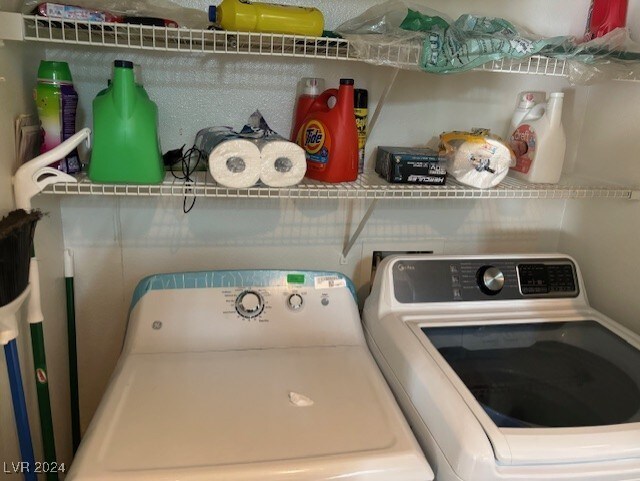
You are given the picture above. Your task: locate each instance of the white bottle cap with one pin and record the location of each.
(529, 99)
(556, 95)
(312, 86)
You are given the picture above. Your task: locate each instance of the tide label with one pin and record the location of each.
(314, 138)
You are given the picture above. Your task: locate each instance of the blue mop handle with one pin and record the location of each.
(20, 410)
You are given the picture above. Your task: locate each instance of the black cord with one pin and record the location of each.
(187, 171)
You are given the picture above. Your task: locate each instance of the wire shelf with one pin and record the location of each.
(79, 32)
(367, 186)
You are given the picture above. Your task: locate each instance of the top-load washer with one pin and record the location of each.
(503, 369)
(247, 375)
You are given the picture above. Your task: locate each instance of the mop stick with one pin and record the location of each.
(8, 334)
(30, 179)
(20, 410)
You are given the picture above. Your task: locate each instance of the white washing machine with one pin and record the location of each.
(503, 369)
(247, 375)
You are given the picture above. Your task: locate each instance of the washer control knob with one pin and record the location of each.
(490, 280)
(249, 304)
(295, 302)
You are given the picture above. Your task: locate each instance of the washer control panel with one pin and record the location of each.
(257, 309)
(422, 280)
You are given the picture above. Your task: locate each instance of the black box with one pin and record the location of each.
(410, 165)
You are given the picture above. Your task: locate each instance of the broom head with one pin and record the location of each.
(16, 245)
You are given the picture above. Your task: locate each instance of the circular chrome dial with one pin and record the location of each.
(249, 304)
(295, 301)
(490, 280)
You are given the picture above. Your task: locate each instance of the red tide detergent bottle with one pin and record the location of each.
(330, 138)
(309, 88)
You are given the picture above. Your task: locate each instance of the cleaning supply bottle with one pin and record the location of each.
(125, 132)
(248, 16)
(526, 102)
(605, 16)
(329, 136)
(361, 110)
(539, 143)
(57, 101)
(308, 90)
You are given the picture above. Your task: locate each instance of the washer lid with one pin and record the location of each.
(311, 413)
(564, 391)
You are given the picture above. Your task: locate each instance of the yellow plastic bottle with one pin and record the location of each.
(247, 16)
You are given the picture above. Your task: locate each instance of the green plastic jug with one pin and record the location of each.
(125, 133)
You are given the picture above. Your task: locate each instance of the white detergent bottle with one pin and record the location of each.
(526, 101)
(539, 143)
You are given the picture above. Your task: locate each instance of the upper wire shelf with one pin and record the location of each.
(368, 186)
(122, 35)
(129, 36)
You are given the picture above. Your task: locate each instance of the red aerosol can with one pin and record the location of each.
(330, 138)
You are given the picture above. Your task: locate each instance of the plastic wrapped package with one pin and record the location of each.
(391, 33)
(165, 9)
(612, 56)
(476, 158)
(409, 35)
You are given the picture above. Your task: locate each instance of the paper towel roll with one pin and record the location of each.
(235, 163)
(480, 164)
(283, 163)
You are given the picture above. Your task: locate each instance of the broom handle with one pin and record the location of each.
(20, 410)
(35, 318)
(73, 352)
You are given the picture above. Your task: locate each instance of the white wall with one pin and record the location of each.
(605, 236)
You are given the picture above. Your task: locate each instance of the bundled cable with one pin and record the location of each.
(189, 162)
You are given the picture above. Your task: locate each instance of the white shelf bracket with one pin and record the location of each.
(11, 26)
(381, 102)
(350, 243)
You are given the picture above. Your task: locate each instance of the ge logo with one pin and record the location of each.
(157, 325)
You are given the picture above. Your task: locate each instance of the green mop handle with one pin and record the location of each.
(35, 318)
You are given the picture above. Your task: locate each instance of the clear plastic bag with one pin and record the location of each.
(411, 35)
(612, 56)
(165, 9)
(408, 35)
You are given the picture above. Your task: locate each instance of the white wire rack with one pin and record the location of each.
(145, 37)
(367, 186)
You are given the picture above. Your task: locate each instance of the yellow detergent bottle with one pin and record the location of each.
(247, 16)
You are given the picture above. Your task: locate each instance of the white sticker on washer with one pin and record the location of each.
(329, 282)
